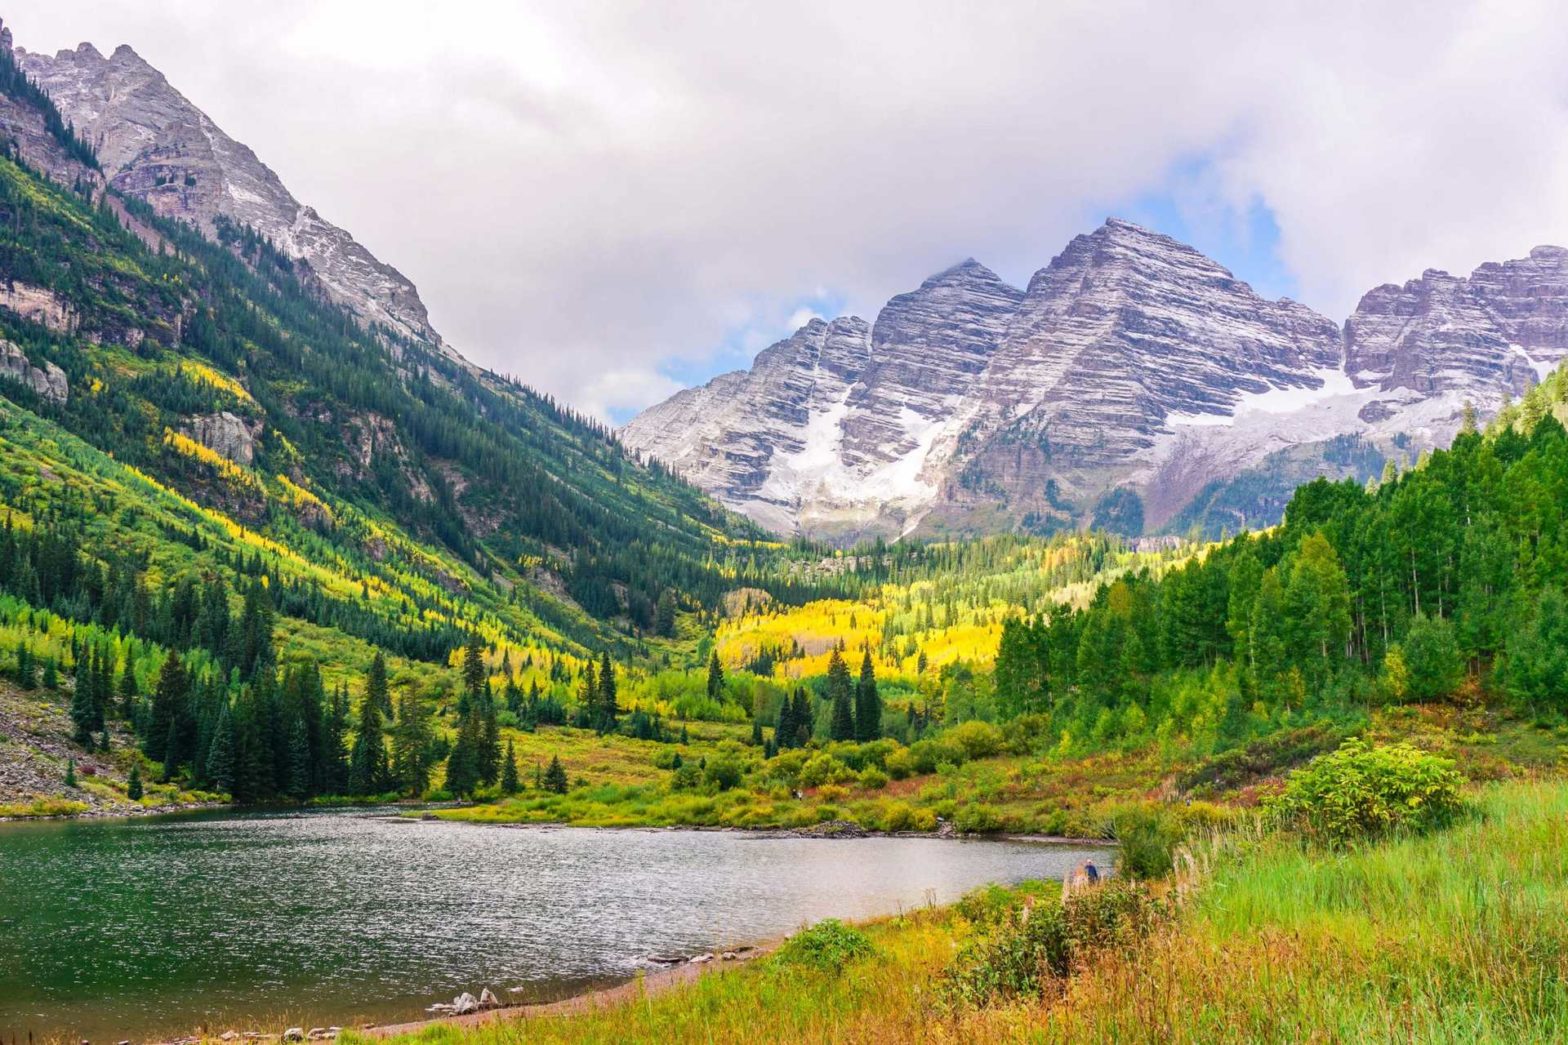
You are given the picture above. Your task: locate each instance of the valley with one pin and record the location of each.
(340, 675)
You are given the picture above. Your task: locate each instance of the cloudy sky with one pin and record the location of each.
(610, 200)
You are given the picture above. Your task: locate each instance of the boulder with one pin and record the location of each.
(464, 1003)
(487, 1000)
(294, 1034)
(701, 959)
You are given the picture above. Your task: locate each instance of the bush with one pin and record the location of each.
(975, 818)
(1148, 834)
(724, 772)
(873, 779)
(1266, 757)
(1036, 942)
(900, 765)
(823, 768)
(1363, 791)
(978, 739)
(827, 947)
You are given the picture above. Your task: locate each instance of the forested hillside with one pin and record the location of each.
(225, 498)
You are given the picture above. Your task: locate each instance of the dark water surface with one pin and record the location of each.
(116, 929)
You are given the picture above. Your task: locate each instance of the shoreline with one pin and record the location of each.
(647, 983)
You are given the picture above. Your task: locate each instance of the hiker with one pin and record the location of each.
(1091, 872)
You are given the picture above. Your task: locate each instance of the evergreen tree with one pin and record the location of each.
(133, 783)
(463, 770)
(509, 782)
(219, 770)
(555, 777)
(664, 614)
(841, 690)
(26, 667)
(334, 744)
(868, 702)
(84, 712)
(475, 675)
(301, 769)
(70, 772)
(715, 677)
(804, 718)
(489, 741)
(411, 740)
(368, 773)
(608, 700)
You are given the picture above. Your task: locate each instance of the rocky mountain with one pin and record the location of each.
(155, 145)
(1135, 384)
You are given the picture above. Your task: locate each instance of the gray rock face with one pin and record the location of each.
(1130, 361)
(227, 434)
(49, 382)
(1505, 326)
(154, 144)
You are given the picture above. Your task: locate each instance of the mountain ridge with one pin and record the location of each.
(1131, 364)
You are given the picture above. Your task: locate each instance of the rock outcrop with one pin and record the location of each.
(154, 144)
(227, 434)
(1132, 371)
(48, 381)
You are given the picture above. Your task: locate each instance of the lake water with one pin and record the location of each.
(136, 928)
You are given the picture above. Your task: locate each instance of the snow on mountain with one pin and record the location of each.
(1130, 362)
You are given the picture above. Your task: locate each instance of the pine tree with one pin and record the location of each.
(555, 777)
(367, 766)
(475, 675)
(509, 782)
(462, 764)
(26, 667)
(411, 739)
(804, 718)
(841, 690)
(868, 702)
(756, 730)
(70, 772)
(608, 700)
(300, 767)
(84, 712)
(334, 743)
(784, 728)
(489, 742)
(377, 688)
(133, 783)
(715, 677)
(219, 769)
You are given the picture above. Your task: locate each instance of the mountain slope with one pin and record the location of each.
(157, 147)
(1135, 384)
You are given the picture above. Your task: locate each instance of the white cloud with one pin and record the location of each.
(586, 192)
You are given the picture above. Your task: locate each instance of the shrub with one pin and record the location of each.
(1036, 942)
(896, 816)
(873, 779)
(926, 755)
(1149, 833)
(978, 739)
(1363, 791)
(724, 772)
(823, 768)
(832, 792)
(827, 946)
(975, 818)
(899, 765)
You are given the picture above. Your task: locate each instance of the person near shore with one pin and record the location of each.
(1091, 872)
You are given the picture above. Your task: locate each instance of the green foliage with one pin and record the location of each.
(555, 777)
(1365, 791)
(1536, 673)
(1433, 663)
(828, 946)
(133, 783)
(1148, 834)
(1030, 945)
